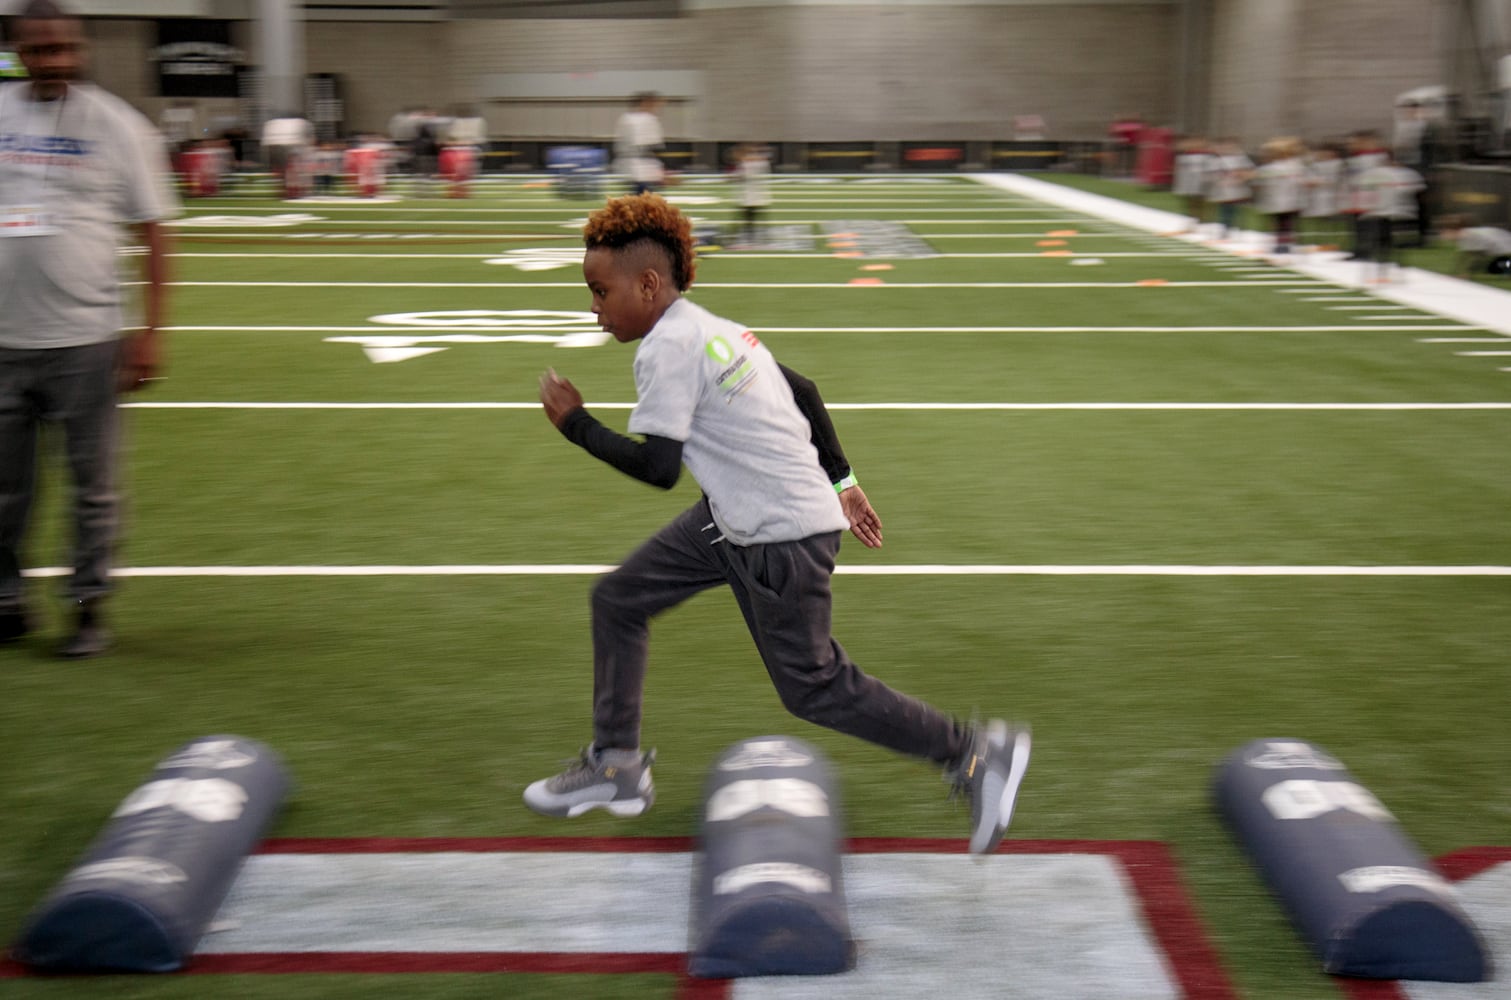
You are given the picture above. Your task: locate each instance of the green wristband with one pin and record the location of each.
(846, 483)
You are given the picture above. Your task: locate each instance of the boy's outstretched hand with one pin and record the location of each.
(865, 523)
(558, 396)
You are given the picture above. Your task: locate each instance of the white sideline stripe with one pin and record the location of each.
(887, 286)
(921, 569)
(920, 918)
(1463, 340)
(405, 332)
(1358, 308)
(481, 405)
(1483, 354)
(1480, 305)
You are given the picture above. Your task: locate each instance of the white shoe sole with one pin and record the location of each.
(1007, 797)
(618, 807)
(1022, 744)
(556, 810)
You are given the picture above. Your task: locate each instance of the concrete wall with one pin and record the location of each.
(1320, 68)
(383, 67)
(813, 72)
(843, 72)
(877, 69)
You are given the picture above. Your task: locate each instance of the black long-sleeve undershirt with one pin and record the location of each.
(658, 460)
(830, 455)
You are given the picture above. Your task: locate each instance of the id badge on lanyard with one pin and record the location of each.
(28, 216)
(26, 220)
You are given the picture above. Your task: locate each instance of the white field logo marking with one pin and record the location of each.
(581, 221)
(347, 199)
(247, 221)
(538, 259)
(527, 326)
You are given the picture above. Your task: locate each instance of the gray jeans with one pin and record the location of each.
(75, 388)
(782, 589)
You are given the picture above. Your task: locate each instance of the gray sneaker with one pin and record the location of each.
(989, 775)
(591, 783)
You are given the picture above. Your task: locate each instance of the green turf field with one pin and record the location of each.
(1023, 422)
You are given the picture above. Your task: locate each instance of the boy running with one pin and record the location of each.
(777, 494)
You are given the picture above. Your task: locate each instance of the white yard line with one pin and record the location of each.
(736, 255)
(932, 569)
(894, 406)
(820, 285)
(292, 235)
(1081, 236)
(406, 331)
(322, 208)
(242, 236)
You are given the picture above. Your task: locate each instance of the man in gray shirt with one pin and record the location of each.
(777, 495)
(75, 164)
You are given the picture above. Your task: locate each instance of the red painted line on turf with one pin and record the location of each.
(1148, 864)
(1150, 867)
(1156, 880)
(1468, 862)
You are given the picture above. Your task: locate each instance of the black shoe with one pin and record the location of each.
(90, 637)
(13, 625)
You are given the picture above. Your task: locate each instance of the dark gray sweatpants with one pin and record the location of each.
(75, 388)
(783, 591)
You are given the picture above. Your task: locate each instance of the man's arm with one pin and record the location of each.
(142, 350)
(656, 460)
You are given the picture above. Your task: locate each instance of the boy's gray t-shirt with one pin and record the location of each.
(90, 162)
(712, 385)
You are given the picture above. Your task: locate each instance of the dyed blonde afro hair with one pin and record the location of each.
(623, 222)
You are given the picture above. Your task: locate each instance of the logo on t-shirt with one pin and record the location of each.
(44, 150)
(737, 372)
